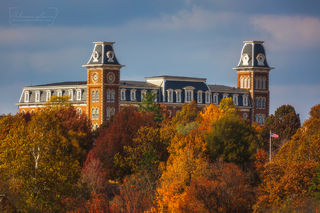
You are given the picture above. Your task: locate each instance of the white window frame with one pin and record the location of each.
(123, 94)
(143, 94)
(199, 97)
(132, 94)
(178, 95)
(170, 95)
(207, 97)
(235, 99)
(79, 94)
(59, 93)
(216, 98)
(48, 95)
(155, 92)
(70, 91)
(245, 100)
(26, 96)
(37, 96)
(241, 82)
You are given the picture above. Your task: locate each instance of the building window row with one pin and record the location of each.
(245, 82)
(49, 94)
(95, 95)
(95, 114)
(260, 102)
(260, 82)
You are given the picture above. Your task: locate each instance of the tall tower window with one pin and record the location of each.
(112, 98)
(248, 84)
(108, 114)
(26, 96)
(93, 98)
(199, 97)
(97, 96)
(93, 112)
(178, 96)
(97, 113)
(241, 82)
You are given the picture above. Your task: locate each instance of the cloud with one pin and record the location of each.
(289, 32)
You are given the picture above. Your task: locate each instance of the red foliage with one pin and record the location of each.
(120, 132)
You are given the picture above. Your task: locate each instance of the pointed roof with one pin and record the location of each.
(103, 54)
(253, 55)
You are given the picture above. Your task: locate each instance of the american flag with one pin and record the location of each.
(274, 135)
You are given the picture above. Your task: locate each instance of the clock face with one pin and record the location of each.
(110, 77)
(95, 77)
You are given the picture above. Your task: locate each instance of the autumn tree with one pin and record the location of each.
(285, 122)
(117, 134)
(232, 139)
(40, 159)
(224, 188)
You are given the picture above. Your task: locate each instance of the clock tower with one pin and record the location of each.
(103, 83)
(253, 75)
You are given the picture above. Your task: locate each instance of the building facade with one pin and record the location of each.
(103, 93)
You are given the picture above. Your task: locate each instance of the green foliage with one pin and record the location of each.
(232, 139)
(149, 105)
(315, 187)
(285, 122)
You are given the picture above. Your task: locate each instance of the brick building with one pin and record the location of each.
(103, 93)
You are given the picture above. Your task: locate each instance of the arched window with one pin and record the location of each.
(97, 113)
(112, 111)
(207, 97)
(93, 117)
(241, 82)
(97, 96)
(245, 83)
(199, 97)
(108, 114)
(93, 99)
(215, 98)
(249, 80)
(123, 94)
(112, 95)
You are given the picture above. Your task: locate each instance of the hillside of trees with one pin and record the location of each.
(142, 160)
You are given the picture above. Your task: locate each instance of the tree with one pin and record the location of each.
(285, 184)
(285, 122)
(40, 159)
(233, 139)
(117, 134)
(148, 104)
(305, 144)
(224, 188)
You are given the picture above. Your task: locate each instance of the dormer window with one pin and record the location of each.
(59, 93)
(37, 98)
(70, 93)
(155, 92)
(178, 95)
(235, 99)
(199, 97)
(26, 96)
(170, 95)
(143, 94)
(123, 94)
(207, 97)
(48, 96)
(79, 94)
(245, 100)
(225, 95)
(188, 94)
(133, 95)
(215, 98)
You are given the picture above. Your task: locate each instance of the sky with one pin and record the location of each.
(47, 41)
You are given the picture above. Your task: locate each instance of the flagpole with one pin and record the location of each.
(270, 146)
